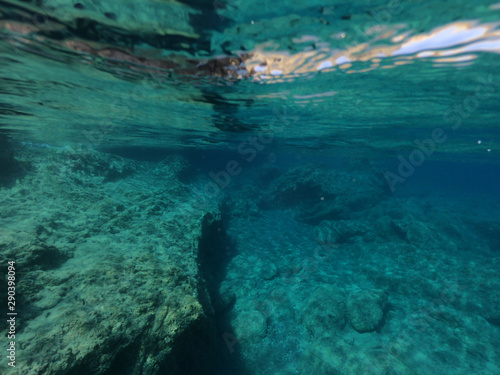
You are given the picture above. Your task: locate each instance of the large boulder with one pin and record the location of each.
(366, 309)
(315, 194)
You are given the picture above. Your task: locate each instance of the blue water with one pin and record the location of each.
(250, 188)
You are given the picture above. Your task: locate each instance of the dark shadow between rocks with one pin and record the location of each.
(10, 168)
(387, 308)
(216, 249)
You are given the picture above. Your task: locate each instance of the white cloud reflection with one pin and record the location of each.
(455, 43)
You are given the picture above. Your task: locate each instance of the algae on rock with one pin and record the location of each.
(106, 283)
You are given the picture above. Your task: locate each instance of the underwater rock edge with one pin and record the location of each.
(125, 294)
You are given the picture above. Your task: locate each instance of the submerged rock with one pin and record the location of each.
(107, 283)
(338, 232)
(225, 298)
(317, 194)
(326, 312)
(250, 325)
(366, 309)
(266, 270)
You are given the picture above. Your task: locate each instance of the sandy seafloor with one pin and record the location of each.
(126, 267)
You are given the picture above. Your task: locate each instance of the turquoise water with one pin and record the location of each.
(236, 187)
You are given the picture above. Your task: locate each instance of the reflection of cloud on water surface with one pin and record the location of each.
(454, 43)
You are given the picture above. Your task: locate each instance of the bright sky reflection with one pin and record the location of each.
(450, 41)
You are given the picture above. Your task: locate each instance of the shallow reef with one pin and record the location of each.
(106, 251)
(128, 267)
(374, 283)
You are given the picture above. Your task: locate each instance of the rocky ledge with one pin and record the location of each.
(107, 273)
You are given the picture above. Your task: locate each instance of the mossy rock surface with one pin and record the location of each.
(106, 283)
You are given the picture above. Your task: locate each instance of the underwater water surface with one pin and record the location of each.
(232, 187)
